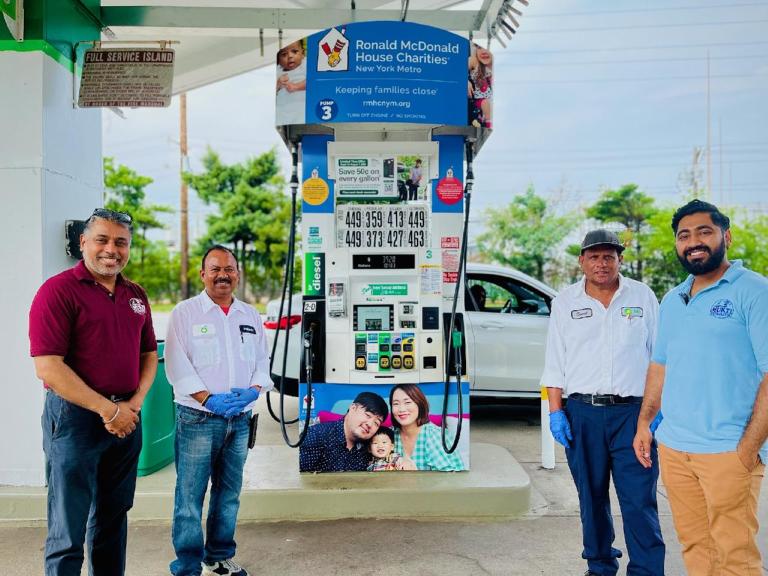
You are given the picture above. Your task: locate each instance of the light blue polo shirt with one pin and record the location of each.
(715, 352)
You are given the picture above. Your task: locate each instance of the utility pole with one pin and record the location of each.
(720, 168)
(709, 136)
(184, 209)
(695, 171)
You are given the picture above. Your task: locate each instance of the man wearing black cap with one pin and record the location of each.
(342, 446)
(599, 345)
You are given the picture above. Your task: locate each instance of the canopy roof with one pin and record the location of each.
(222, 38)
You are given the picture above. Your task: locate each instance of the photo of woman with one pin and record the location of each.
(416, 438)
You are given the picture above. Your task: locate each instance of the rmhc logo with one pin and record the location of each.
(333, 53)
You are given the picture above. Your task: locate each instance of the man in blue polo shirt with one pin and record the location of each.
(708, 373)
(342, 446)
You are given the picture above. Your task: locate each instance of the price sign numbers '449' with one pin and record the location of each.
(360, 226)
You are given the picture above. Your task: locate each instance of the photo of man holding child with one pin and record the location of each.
(375, 435)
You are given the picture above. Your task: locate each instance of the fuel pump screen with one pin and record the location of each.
(373, 318)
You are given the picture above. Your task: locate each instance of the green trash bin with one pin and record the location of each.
(158, 421)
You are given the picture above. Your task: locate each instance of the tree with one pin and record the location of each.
(750, 243)
(524, 234)
(253, 214)
(662, 268)
(151, 264)
(632, 208)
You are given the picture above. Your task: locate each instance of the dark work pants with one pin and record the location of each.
(413, 190)
(601, 448)
(91, 481)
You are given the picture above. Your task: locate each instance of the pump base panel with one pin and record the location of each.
(497, 487)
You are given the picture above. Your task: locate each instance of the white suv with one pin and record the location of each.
(505, 339)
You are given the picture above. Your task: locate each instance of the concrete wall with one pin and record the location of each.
(50, 171)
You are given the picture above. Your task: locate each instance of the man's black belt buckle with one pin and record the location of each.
(120, 397)
(605, 399)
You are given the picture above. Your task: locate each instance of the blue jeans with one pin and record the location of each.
(91, 477)
(601, 448)
(215, 448)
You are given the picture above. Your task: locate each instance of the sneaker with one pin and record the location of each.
(223, 568)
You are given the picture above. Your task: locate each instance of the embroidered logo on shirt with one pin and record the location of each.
(582, 313)
(632, 311)
(137, 306)
(722, 309)
(203, 329)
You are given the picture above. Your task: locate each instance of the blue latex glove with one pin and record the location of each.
(561, 430)
(219, 404)
(242, 397)
(656, 422)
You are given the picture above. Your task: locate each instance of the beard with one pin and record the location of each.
(95, 265)
(705, 266)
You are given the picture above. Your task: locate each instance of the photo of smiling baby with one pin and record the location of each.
(291, 84)
(383, 455)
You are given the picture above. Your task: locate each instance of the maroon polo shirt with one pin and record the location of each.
(100, 334)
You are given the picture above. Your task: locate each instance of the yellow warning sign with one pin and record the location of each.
(314, 191)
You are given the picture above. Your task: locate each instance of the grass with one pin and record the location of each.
(168, 306)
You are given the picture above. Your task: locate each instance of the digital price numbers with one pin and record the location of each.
(382, 226)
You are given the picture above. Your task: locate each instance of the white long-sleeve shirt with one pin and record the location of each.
(596, 350)
(209, 350)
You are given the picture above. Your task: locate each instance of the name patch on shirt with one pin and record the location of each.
(722, 309)
(581, 313)
(632, 311)
(247, 329)
(203, 329)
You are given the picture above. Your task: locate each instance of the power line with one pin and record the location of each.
(554, 166)
(635, 79)
(686, 147)
(649, 10)
(639, 61)
(646, 26)
(513, 51)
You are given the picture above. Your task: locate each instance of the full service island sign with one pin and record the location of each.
(127, 77)
(374, 72)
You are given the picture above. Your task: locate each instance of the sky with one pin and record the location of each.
(589, 95)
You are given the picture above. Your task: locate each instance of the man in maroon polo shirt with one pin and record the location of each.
(94, 348)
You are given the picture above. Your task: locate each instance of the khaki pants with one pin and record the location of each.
(714, 507)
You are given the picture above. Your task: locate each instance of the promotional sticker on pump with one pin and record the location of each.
(376, 418)
(314, 190)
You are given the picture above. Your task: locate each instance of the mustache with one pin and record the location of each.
(222, 281)
(706, 249)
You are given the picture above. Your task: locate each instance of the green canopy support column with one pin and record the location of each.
(50, 172)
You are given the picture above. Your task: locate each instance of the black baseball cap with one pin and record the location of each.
(601, 237)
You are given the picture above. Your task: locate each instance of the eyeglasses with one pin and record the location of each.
(113, 215)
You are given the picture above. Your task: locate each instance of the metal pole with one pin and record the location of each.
(709, 134)
(547, 440)
(184, 209)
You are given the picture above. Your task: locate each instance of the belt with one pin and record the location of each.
(120, 397)
(605, 399)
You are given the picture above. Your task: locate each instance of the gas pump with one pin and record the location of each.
(385, 110)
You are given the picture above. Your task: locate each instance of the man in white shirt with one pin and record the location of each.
(601, 333)
(216, 358)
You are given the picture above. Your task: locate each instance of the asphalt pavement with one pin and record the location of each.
(547, 541)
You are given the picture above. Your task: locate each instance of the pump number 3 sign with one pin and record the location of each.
(382, 226)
